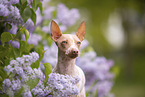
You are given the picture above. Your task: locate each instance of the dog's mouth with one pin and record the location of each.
(71, 55)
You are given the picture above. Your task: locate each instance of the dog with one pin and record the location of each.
(68, 50)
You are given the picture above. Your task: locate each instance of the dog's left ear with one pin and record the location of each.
(55, 31)
(81, 31)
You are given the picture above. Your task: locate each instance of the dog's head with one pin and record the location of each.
(68, 43)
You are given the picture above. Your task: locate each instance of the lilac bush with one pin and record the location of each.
(21, 72)
(28, 47)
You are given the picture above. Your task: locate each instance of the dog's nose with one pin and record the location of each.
(75, 52)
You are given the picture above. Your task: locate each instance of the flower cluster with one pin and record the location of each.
(67, 17)
(97, 68)
(20, 72)
(64, 16)
(59, 85)
(10, 13)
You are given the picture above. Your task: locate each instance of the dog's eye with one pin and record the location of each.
(64, 42)
(78, 42)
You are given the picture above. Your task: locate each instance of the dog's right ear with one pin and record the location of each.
(55, 31)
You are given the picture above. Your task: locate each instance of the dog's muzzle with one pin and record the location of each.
(72, 52)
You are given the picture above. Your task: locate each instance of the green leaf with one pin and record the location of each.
(23, 7)
(32, 83)
(34, 4)
(40, 51)
(25, 47)
(26, 14)
(40, 7)
(48, 70)
(3, 74)
(16, 52)
(35, 64)
(33, 16)
(5, 37)
(27, 34)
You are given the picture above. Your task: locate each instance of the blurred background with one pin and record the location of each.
(116, 30)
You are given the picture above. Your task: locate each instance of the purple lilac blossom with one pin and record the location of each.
(46, 29)
(21, 73)
(33, 38)
(4, 2)
(30, 25)
(39, 18)
(67, 17)
(15, 44)
(14, 29)
(104, 88)
(50, 55)
(3, 10)
(84, 44)
(59, 85)
(48, 12)
(14, 1)
(97, 68)
(14, 16)
(11, 13)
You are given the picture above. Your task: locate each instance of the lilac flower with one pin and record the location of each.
(104, 88)
(7, 83)
(30, 25)
(14, 15)
(48, 12)
(16, 84)
(4, 2)
(14, 1)
(46, 29)
(14, 29)
(15, 44)
(58, 85)
(33, 38)
(97, 68)
(27, 94)
(84, 44)
(3, 10)
(21, 73)
(39, 18)
(50, 55)
(67, 17)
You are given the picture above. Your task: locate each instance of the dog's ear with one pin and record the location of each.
(81, 31)
(55, 31)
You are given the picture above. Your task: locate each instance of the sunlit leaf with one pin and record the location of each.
(48, 70)
(32, 83)
(5, 37)
(27, 34)
(26, 14)
(35, 64)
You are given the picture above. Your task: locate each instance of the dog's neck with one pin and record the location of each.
(65, 65)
